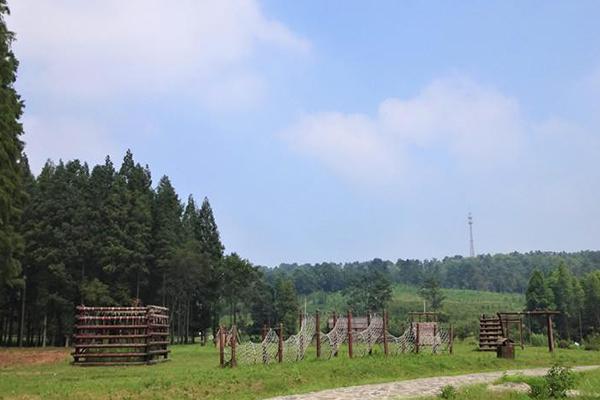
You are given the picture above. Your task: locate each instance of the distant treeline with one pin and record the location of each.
(497, 273)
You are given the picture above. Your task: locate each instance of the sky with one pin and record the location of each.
(326, 130)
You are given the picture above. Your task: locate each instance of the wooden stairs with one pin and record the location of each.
(490, 332)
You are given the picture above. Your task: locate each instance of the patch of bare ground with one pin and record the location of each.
(14, 357)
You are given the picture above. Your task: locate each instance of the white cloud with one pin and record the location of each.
(64, 138)
(89, 49)
(465, 120)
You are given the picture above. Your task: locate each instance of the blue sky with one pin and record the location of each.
(333, 130)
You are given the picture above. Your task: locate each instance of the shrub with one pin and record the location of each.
(448, 393)
(563, 344)
(592, 342)
(539, 390)
(538, 340)
(559, 380)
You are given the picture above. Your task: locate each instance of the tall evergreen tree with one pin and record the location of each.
(167, 230)
(208, 232)
(538, 295)
(12, 193)
(137, 226)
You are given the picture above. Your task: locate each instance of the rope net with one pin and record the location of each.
(423, 336)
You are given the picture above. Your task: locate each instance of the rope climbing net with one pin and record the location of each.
(419, 337)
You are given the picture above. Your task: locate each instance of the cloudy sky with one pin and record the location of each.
(333, 130)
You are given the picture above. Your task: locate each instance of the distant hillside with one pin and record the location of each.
(496, 273)
(462, 307)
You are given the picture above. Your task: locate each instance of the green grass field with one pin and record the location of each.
(193, 373)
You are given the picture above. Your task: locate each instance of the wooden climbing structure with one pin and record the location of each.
(121, 335)
(490, 332)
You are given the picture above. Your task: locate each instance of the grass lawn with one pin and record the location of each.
(194, 373)
(587, 383)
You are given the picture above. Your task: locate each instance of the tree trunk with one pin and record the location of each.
(44, 329)
(22, 316)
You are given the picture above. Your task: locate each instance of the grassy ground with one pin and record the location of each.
(194, 373)
(587, 383)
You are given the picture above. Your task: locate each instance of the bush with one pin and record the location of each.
(563, 344)
(539, 390)
(448, 393)
(592, 342)
(538, 340)
(559, 380)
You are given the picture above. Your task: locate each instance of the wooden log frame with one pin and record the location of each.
(516, 317)
(120, 335)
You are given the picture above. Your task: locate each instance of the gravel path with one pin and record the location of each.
(414, 387)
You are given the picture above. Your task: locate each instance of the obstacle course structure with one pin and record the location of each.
(274, 348)
(495, 329)
(121, 335)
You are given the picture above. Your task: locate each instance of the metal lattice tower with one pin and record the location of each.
(471, 246)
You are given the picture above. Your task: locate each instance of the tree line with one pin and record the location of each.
(105, 237)
(496, 273)
(577, 299)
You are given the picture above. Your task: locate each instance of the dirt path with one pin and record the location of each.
(414, 387)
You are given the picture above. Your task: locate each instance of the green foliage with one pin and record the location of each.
(592, 342)
(538, 340)
(286, 305)
(559, 380)
(448, 393)
(432, 293)
(12, 194)
(539, 390)
(538, 294)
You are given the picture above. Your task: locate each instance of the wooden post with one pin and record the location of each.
(550, 333)
(521, 333)
(263, 332)
(221, 347)
(451, 339)
(418, 338)
(280, 344)
(350, 334)
(334, 319)
(335, 352)
(233, 344)
(300, 316)
(318, 333)
(384, 333)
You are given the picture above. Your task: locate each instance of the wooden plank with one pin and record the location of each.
(108, 345)
(110, 326)
(106, 355)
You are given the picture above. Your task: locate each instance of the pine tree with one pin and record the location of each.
(137, 225)
(538, 295)
(12, 195)
(167, 230)
(208, 233)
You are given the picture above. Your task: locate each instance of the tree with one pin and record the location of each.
(12, 194)
(538, 295)
(167, 232)
(591, 288)
(208, 232)
(286, 304)
(137, 226)
(568, 296)
(431, 292)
